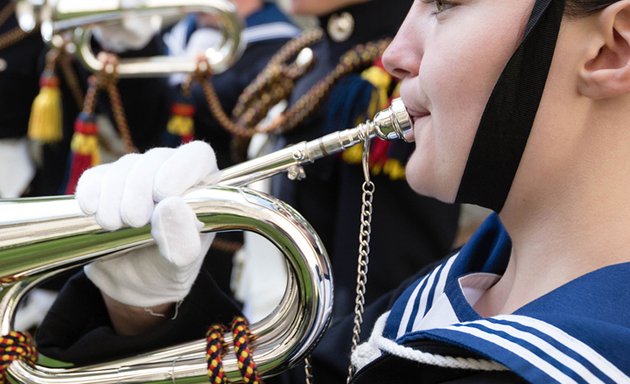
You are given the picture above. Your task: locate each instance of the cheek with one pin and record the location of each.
(444, 141)
(456, 91)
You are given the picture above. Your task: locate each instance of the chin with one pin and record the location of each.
(428, 186)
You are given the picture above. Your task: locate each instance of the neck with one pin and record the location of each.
(568, 220)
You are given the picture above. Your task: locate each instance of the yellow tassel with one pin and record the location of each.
(86, 145)
(353, 155)
(181, 122)
(394, 169)
(180, 125)
(45, 123)
(381, 81)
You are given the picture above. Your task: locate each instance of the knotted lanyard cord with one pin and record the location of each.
(107, 79)
(72, 80)
(216, 348)
(111, 85)
(15, 346)
(244, 356)
(214, 354)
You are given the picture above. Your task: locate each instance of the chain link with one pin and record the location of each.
(364, 252)
(308, 370)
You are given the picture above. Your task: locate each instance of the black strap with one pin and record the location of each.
(507, 120)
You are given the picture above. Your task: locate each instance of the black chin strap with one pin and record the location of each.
(507, 120)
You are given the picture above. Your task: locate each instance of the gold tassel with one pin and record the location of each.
(394, 169)
(181, 122)
(381, 81)
(45, 123)
(353, 155)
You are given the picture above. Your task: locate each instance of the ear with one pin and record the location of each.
(606, 73)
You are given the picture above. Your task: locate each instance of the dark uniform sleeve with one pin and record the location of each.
(77, 328)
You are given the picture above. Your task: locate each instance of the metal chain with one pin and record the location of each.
(364, 252)
(308, 370)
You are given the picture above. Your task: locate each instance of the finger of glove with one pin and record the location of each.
(112, 186)
(175, 228)
(137, 203)
(190, 165)
(88, 190)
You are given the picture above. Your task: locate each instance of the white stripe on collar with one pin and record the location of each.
(270, 31)
(437, 290)
(516, 348)
(570, 342)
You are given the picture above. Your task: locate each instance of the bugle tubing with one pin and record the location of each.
(42, 236)
(72, 21)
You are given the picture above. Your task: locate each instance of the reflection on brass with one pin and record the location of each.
(41, 237)
(71, 22)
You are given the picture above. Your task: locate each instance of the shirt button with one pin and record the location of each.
(3, 65)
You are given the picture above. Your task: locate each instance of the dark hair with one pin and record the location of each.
(579, 8)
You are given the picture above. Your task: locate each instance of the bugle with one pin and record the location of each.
(72, 21)
(41, 237)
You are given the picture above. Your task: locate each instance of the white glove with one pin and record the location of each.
(137, 189)
(133, 33)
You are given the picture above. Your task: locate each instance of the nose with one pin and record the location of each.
(403, 56)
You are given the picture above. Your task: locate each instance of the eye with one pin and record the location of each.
(440, 5)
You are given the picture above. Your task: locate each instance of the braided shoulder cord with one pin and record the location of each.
(13, 35)
(276, 82)
(6, 12)
(15, 346)
(215, 349)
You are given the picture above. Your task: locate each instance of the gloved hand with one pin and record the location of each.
(137, 189)
(133, 33)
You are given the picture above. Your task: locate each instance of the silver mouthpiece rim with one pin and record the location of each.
(393, 122)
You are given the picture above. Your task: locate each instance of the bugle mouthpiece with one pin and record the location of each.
(393, 122)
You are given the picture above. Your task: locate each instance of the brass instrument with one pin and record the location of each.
(73, 20)
(41, 237)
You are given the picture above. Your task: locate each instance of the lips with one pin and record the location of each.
(416, 115)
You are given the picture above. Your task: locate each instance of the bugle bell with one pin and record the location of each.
(72, 21)
(40, 237)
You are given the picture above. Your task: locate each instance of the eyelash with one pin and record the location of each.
(440, 5)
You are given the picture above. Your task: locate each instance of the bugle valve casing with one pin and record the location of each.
(40, 237)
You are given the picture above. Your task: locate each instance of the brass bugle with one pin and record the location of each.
(74, 20)
(41, 237)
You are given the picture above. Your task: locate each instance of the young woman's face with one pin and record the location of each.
(319, 7)
(450, 55)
